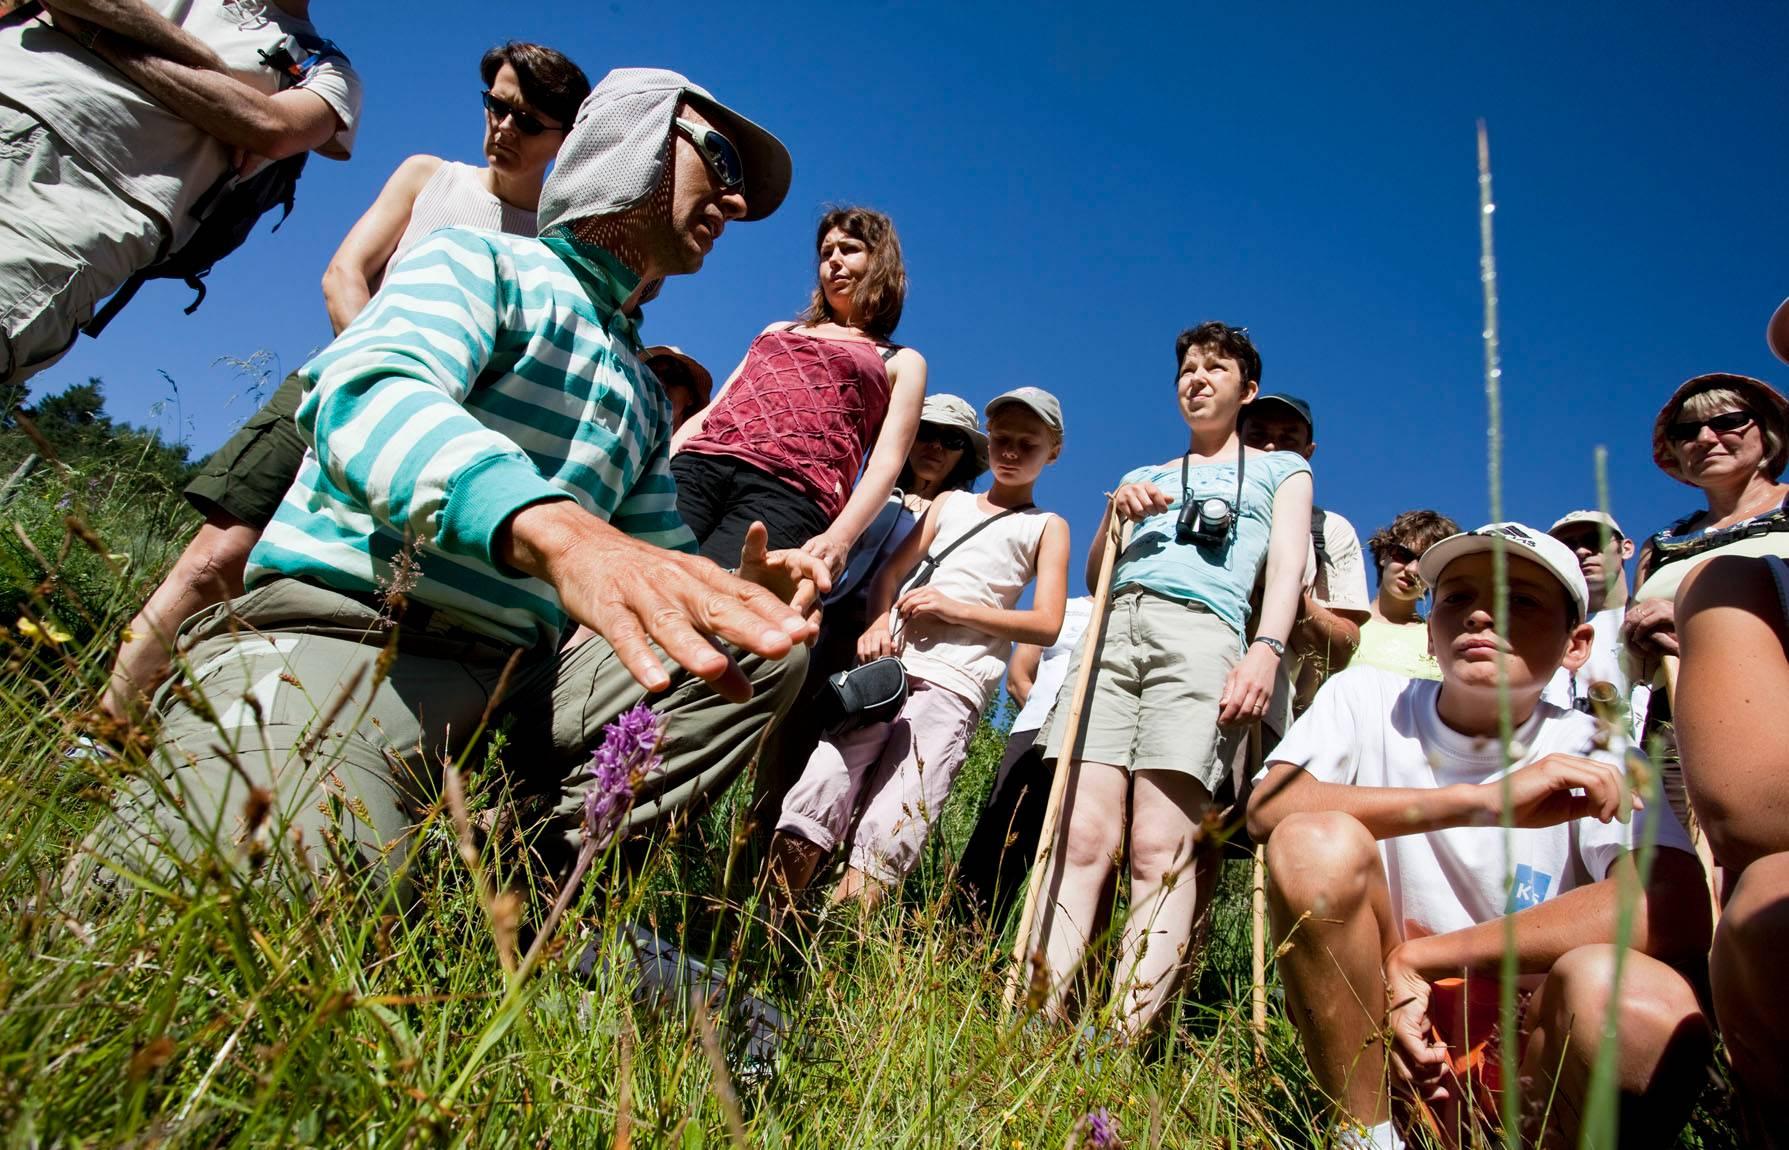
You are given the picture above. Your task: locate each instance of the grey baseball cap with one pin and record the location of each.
(1037, 399)
(615, 152)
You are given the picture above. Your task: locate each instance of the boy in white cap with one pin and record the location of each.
(1389, 883)
(488, 467)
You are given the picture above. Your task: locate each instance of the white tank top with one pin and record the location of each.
(456, 196)
(991, 569)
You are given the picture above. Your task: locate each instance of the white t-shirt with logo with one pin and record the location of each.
(1371, 728)
(156, 159)
(1052, 668)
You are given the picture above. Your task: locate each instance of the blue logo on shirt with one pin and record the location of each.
(1531, 887)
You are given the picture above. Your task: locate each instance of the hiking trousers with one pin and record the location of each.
(68, 239)
(294, 723)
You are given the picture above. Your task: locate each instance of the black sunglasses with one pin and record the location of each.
(717, 152)
(948, 438)
(1727, 422)
(526, 122)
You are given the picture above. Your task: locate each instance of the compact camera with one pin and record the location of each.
(1205, 522)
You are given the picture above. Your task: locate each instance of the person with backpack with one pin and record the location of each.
(787, 437)
(947, 606)
(531, 93)
(1334, 602)
(139, 132)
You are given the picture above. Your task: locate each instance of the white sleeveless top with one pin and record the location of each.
(991, 569)
(456, 196)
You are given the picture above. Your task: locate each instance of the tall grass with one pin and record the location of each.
(216, 1011)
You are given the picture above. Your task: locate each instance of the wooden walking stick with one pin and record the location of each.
(1258, 919)
(1116, 534)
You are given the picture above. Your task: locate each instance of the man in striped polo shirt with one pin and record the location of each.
(487, 468)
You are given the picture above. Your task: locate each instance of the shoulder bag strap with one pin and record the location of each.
(930, 564)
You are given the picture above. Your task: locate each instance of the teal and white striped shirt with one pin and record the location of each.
(489, 373)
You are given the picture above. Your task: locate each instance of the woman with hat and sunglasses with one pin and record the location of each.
(1729, 436)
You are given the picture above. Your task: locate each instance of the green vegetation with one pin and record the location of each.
(215, 1011)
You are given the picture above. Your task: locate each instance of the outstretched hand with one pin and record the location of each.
(635, 595)
(798, 578)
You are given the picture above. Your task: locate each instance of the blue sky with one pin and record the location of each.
(1075, 185)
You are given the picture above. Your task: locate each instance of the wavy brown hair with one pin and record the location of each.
(882, 292)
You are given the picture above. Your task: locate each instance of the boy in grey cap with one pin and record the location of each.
(487, 469)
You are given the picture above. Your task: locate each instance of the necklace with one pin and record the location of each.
(245, 13)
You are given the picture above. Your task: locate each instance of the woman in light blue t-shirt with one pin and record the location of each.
(1176, 685)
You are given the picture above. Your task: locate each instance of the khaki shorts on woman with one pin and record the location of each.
(1153, 703)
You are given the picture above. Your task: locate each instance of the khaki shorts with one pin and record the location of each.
(67, 241)
(1153, 703)
(247, 477)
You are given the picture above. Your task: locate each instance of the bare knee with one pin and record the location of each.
(1091, 837)
(1656, 1004)
(1321, 862)
(1754, 926)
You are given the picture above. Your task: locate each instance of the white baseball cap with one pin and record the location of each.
(1600, 518)
(1519, 539)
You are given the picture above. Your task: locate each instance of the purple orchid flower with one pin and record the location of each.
(1099, 1131)
(628, 753)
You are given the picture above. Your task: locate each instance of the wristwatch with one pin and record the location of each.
(1274, 645)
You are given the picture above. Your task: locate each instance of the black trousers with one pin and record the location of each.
(991, 875)
(719, 497)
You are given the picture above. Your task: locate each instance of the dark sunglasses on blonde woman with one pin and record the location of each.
(1726, 423)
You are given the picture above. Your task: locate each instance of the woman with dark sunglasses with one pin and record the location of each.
(1729, 436)
(814, 403)
(531, 96)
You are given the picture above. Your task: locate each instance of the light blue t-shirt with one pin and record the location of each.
(1219, 577)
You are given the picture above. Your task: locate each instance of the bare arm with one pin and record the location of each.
(1549, 791)
(1021, 671)
(692, 426)
(1248, 689)
(1671, 923)
(276, 126)
(1040, 623)
(877, 639)
(136, 21)
(906, 396)
(355, 270)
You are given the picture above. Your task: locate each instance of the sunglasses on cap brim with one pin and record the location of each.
(718, 152)
(526, 123)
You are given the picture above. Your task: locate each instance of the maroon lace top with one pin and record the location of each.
(805, 409)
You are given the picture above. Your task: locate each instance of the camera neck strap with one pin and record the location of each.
(1186, 489)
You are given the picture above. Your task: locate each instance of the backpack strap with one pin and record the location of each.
(928, 566)
(1317, 541)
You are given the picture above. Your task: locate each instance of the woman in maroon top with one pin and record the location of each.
(783, 442)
